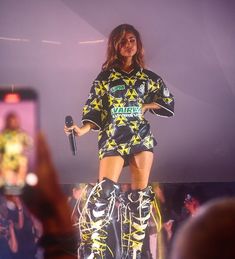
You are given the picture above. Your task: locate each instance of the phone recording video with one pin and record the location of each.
(18, 127)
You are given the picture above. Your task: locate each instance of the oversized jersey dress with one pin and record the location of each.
(114, 107)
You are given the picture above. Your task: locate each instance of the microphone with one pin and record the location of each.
(71, 136)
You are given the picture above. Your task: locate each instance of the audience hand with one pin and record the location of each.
(48, 203)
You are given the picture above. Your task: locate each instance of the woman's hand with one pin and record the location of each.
(147, 106)
(79, 131)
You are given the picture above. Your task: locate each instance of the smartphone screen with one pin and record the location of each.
(18, 127)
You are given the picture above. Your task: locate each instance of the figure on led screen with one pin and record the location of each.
(119, 97)
(13, 145)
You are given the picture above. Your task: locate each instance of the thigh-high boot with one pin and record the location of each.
(135, 213)
(95, 218)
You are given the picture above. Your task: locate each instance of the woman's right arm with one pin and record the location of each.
(79, 131)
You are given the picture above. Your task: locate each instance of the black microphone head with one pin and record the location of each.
(68, 121)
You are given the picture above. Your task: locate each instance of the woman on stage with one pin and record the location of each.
(119, 97)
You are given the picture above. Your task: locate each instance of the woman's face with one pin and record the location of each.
(128, 45)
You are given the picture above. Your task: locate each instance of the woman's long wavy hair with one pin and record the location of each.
(114, 58)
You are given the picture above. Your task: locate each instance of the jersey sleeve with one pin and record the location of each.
(160, 94)
(93, 109)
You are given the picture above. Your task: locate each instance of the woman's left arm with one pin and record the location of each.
(159, 95)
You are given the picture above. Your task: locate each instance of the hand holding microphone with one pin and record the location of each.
(73, 130)
(70, 132)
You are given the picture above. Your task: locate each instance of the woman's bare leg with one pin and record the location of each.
(137, 205)
(111, 167)
(140, 167)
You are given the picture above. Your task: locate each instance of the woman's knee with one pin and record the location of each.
(111, 167)
(142, 161)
